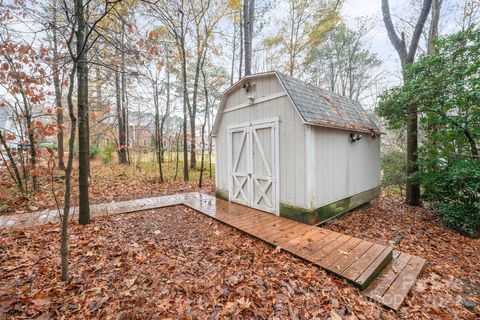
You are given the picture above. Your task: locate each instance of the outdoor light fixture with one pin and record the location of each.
(246, 86)
(355, 137)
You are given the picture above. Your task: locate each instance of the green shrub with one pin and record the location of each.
(48, 144)
(444, 89)
(453, 187)
(107, 153)
(94, 151)
(393, 169)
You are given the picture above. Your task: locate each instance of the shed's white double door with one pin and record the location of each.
(253, 165)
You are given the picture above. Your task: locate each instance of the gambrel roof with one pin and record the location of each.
(315, 106)
(324, 108)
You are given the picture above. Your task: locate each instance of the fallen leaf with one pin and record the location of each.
(335, 315)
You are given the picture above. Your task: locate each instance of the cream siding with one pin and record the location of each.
(318, 165)
(292, 161)
(342, 168)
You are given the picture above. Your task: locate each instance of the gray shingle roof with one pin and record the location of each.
(324, 108)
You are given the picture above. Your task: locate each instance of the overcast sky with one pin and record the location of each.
(377, 39)
(400, 9)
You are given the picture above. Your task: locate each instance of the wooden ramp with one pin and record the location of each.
(386, 276)
(395, 281)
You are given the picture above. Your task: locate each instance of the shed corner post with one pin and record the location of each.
(311, 172)
(214, 139)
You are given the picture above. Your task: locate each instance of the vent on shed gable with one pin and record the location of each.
(250, 90)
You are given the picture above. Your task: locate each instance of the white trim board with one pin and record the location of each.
(253, 123)
(256, 101)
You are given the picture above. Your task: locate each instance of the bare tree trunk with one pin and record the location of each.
(160, 124)
(127, 130)
(202, 161)
(122, 151)
(167, 107)
(58, 90)
(412, 188)
(246, 25)
(240, 58)
(407, 57)
(201, 49)
(185, 96)
(205, 88)
(193, 140)
(31, 140)
(234, 49)
(68, 174)
(472, 142)
(177, 152)
(433, 32)
(158, 136)
(82, 109)
(23, 162)
(124, 106)
(33, 151)
(17, 177)
(98, 84)
(248, 15)
(291, 51)
(209, 144)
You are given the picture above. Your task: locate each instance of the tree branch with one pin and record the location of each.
(398, 44)
(418, 30)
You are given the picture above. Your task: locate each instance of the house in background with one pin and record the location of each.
(4, 118)
(293, 149)
(6, 124)
(141, 130)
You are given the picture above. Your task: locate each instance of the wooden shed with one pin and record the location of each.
(293, 149)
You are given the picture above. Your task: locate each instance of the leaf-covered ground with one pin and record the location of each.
(166, 263)
(452, 275)
(178, 264)
(108, 182)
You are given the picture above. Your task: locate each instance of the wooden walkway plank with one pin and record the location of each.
(270, 229)
(363, 262)
(294, 230)
(325, 250)
(258, 221)
(231, 216)
(293, 233)
(303, 249)
(339, 253)
(381, 284)
(308, 237)
(403, 283)
(310, 244)
(343, 263)
(322, 242)
(264, 223)
(372, 271)
(358, 261)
